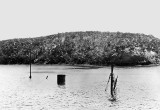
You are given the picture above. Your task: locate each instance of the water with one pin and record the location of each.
(84, 88)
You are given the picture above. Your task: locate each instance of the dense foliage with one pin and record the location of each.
(97, 48)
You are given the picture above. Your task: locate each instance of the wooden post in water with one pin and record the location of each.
(30, 76)
(112, 81)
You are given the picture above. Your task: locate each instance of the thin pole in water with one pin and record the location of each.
(112, 80)
(30, 64)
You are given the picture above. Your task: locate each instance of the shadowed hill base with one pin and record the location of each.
(95, 48)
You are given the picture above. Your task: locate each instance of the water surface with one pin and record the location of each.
(138, 88)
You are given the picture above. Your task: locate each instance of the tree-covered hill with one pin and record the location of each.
(96, 48)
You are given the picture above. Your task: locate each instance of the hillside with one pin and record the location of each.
(96, 48)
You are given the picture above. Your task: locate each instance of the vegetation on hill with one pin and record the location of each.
(96, 48)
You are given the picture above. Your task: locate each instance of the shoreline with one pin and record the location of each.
(88, 65)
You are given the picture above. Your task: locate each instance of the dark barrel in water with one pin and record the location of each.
(61, 79)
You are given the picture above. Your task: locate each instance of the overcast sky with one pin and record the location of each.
(34, 18)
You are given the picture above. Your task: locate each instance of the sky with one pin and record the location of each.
(35, 18)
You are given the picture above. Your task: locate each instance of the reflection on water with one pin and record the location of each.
(138, 88)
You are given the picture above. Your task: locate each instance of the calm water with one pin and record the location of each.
(138, 88)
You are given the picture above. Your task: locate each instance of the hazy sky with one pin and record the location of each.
(34, 18)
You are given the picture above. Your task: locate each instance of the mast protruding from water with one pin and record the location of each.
(112, 81)
(30, 76)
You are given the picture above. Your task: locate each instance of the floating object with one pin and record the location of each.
(47, 77)
(61, 79)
